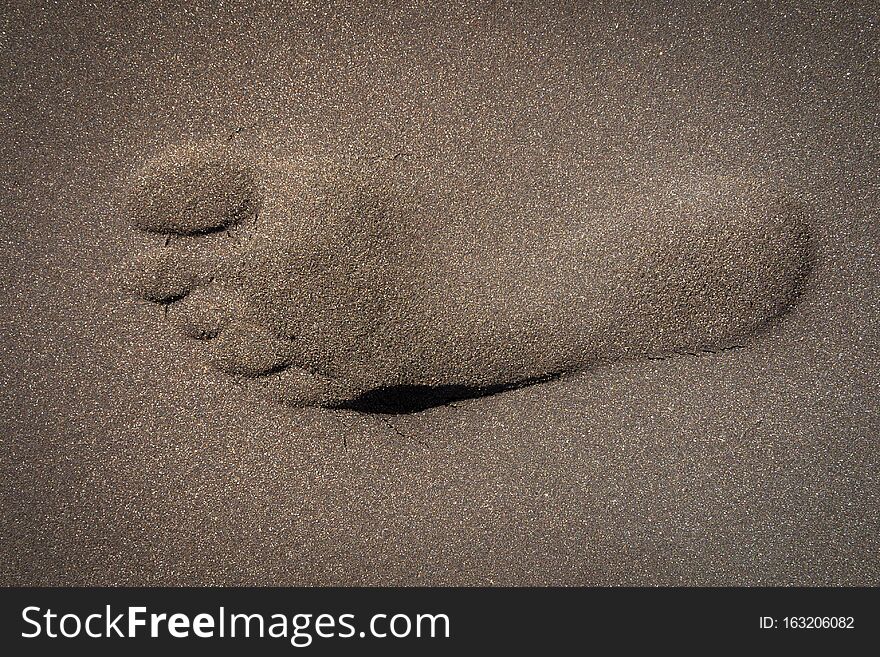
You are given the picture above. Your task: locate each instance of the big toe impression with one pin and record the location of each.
(193, 189)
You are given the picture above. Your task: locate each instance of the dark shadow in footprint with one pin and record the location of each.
(408, 399)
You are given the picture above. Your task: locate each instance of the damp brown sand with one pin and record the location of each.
(127, 461)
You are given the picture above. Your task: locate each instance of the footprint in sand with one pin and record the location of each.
(322, 286)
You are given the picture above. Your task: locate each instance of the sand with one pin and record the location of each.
(331, 292)
(647, 203)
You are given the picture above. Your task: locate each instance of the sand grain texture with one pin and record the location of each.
(537, 144)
